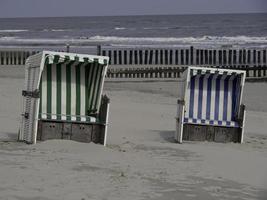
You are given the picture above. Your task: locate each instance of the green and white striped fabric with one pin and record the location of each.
(71, 90)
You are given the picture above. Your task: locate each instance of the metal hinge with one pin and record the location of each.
(25, 115)
(33, 94)
(180, 101)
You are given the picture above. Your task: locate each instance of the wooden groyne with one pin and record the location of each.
(14, 57)
(185, 56)
(169, 62)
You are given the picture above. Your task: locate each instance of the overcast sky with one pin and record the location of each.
(40, 8)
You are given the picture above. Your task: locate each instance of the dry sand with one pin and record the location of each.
(141, 161)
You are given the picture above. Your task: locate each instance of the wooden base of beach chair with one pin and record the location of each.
(194, 132)
(71, 131)
(77, 131)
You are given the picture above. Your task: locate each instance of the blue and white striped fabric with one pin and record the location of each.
(212, 99)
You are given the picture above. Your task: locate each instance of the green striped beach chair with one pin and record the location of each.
(211, 106)
(62, 98)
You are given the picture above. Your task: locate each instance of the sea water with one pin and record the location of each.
(249, 30)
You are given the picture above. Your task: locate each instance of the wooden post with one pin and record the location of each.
(161, 57)
(247, 71)
(115, 57)
(230, 55)
(68, 48)
(166, 57)
(187, 56)
(182, 57)
(135, 57)
(146, 72)
(197, 57)
(244, 56)
(234, 56)
(151, 57)
(240, 57)
(191, 55)
(110, 56)
(249, 56)
(178, 73)
(98, 50)
(206, 58)
(156, 57)
(120, 57)
(259, 71)
(210, 57)
(171, 57)
(169, 73)
(104, 52)
(142, 73)
(254, 56)
(264, 57)
(131, 57)
(125, 57)
(224, 57)
(259, 58)
(160, 72)
(15, 58)
(140, 57)
(22, 57)
(201, 57)
(151, 72)
(137, 73)
(10, 58)
(146, 57)
(176, 57)
(215, 57)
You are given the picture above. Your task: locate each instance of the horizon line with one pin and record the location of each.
(222, 13)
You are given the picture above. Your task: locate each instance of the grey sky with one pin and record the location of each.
(39, 8)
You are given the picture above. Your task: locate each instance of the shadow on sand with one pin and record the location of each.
(167, 136)
(8, 137)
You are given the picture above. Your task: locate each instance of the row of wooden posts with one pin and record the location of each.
(185, 56)
(10, 57)
(164, 63)
(148, 56)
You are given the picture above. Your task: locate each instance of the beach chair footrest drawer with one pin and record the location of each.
(80, 132)
(194, 132)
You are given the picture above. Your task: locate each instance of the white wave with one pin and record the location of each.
(157, 28)
(138, 41)
(12, 31)
(204, 39)
(55, 30)
(35, 41)
(8, 38)
(119, 28)
(59, 30)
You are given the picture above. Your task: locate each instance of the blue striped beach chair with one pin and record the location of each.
(62, 98)
(210, 107)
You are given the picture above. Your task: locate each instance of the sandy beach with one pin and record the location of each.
(141, 160)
